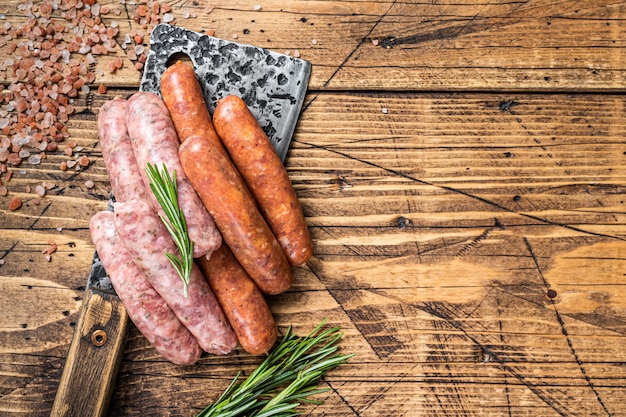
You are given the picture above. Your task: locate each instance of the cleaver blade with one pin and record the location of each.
(273, 85)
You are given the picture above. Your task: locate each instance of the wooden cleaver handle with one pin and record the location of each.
(94, 357)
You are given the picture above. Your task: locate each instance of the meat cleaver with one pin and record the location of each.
(273, 86)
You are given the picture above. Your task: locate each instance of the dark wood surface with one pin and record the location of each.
(462, 169)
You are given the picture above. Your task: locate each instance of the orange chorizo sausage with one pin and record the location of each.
(183, 98)
(242, 301)
(242, 226)
(266, 177)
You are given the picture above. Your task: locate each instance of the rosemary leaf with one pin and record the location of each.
(288, 376)
(166, 192)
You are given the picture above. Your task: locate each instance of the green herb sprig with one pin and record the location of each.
(286, 377)
(166, 192)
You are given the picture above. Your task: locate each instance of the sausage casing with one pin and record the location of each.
(146, 308)
(155, 141)
(183, 98)
(242, 227)
(242, 301)
(147, 241)
(266, 177)
(117, 152)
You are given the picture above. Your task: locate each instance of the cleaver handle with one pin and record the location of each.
(94, 357)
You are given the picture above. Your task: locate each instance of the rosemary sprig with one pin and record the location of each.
(288, 376)
(166, 192)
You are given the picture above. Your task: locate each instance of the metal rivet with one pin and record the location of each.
(99, 337)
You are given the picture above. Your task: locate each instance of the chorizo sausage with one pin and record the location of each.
(242, 227)
(147, 241)
(146, 308)
(266, 177)
(183, 98)
(242, 301)
(155, 141)
(117, 152)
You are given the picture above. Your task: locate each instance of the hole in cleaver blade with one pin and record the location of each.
(273, 85)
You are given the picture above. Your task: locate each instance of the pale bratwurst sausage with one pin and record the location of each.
(147, 241)
(117, 152)
(145, 307)
(155, 141)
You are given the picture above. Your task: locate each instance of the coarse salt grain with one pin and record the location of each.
(48, 52)
(34, 159)
(15, 203)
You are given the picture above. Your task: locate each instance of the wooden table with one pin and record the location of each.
(462, 169)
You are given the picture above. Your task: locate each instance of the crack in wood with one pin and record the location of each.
(464, 193)
(570, 344)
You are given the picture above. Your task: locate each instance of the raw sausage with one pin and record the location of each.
(147, 241)
(154, 140)
(117, 152)
(242, 301)
(235, 214)
(183, 98)
(261, 167)
(146, 308)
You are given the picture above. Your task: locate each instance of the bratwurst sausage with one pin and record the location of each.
(235, 214)
(146, 308)
(241, 300)
(155, 141)
(117, 152)
(266, 177)
(147, 241)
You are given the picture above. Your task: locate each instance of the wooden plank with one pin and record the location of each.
(470, 245)
(536, 45)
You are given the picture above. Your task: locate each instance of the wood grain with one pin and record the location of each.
(90, 371)
(439, 227)
(535, 45)
(464, 184)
